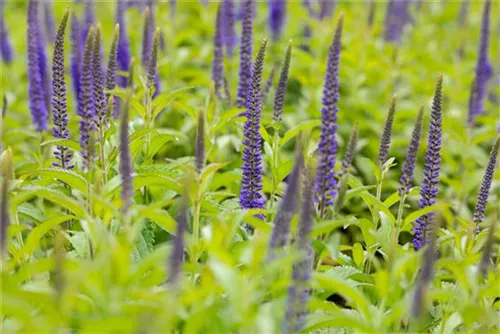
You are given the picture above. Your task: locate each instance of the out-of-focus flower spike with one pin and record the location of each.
(177, 254)
(277, 17)
(7, 172)
(173, 8)
(88, 19)
(326, 8)
(484, 69)
(429, 189)
(6, 50)
(385, 139)
(287, 209)
(251, 183)
(59, 100)
(218, 60)
(484, 190)
(227, 92)
(245, 72)
(325, 187)
(298, 292)
(396, 17)
(123, 52)
(279, 99)
(488, 247)
(269, 83)
(429, 257)
(462, 14)
(350, 149)
(48, 15)
(200, 142)
(38, 106)
(371, 13)
(229, 38)
(126, 167)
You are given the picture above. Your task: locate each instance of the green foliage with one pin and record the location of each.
(111, 274)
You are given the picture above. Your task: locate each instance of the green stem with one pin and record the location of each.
(102, 156)
(274, 167)
(196, 224)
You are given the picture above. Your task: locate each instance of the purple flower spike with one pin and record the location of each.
(462, 14)
(385, 140)
(59, 103)
(6, 173)
(298, 292)
(229, 38)
(98, 82)
(327, 148)
(218, 60)
(88, 19)
(125, 158)
(396, 17)
(429, 190)
(251, 182)
(123, 53)
(200, 143)
(484, 70)
(38, 106)
(76, 56)
(48, 16)
(484, 191)
(6, 51)
(351, 149)
(411, 157)
(269, 84)
(177, 255)
(281, 230)
(279, 99)
(245, 54)
(325, 9)
(88, 112)
(153, 64)
(277, 17)
(111, 73)
(147, 36)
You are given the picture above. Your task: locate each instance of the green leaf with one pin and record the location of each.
(61, 199)
(71, 178)
(31, 211)
(163, 100)
(419, 213)
(157, 143)
(334, 319)
(327, 227)
(63, 142)
(358, 254)
(265, 134)
(373, 202)
(38, 232)
(375, 168)
(345, 288)
(293, 132)
(160, 217)
(144, 180)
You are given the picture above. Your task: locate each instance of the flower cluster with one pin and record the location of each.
(251, 183)
(327, 148)
(429, 190)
